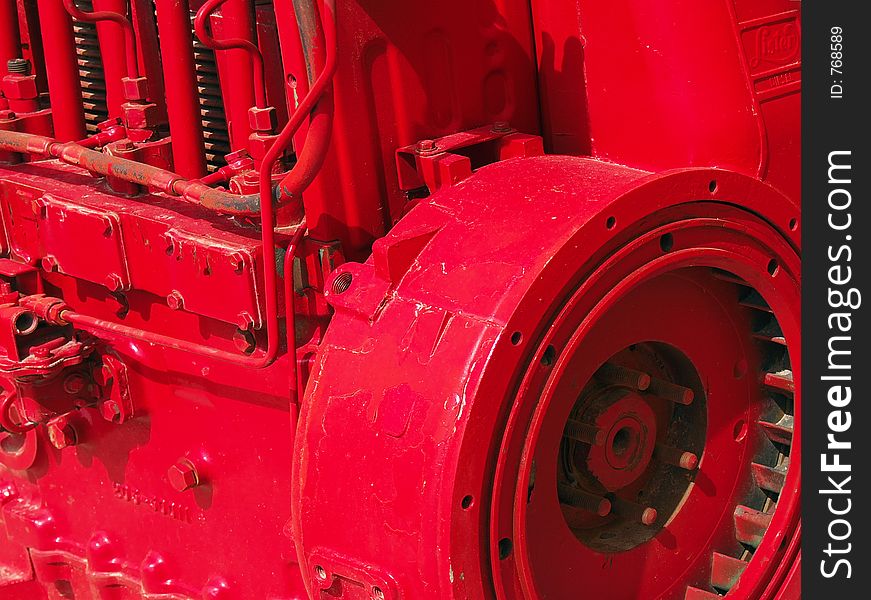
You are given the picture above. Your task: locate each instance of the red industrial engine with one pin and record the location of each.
(362, 299)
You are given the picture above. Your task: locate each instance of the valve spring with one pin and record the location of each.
(91, 76)
(215, 133)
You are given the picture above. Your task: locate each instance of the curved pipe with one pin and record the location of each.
(202, 29)
(134, 172)
(267, 210)
(311, 157)
(107, 15)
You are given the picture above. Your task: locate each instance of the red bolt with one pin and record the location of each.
(245, 321)
(113, 282)
(175, 301)
(74, 384)
(183, 475)
(110, 411)
(49, 263)
(238, 261)
(244, 341)
(427, 146)
(62, 435)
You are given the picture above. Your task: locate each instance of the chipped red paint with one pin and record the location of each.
(387, 301)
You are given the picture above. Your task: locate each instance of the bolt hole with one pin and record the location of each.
(291, 81)
(342, 283)
(739, 432)
(793, 224)
(548, 357)
(712, 186)
(516, 338)
(622, 440)
(611, 222)
(740, 369)
(773, 267)
(467, 502)
(320, 572)
(377, 593)
(505, 547)
(25, 323)
(666, 242)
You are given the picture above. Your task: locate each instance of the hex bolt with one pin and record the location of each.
(586, 434)
(175, 301)
(183, 475)
(619, 375)
(62, 435)
(671, 391)
(113, 282)
(573, 496)
(245, 321)
(501, 127)
(110, 411)
(427, 147)
(49, 263)
(676, 457)
(244, 341)
(237, 260)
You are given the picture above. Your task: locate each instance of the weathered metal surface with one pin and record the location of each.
(537, 376)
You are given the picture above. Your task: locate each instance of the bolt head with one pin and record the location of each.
(183, 476)
(62, 435)
(426, 146)
(49, 263)
(175, 301)
(238, 261)
(113, 282)
(110, 411)
(244, 341)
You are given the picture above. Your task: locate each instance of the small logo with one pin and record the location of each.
(773, 45)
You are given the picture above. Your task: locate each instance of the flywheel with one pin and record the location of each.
(557, 379)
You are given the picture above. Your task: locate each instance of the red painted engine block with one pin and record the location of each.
(399, 300)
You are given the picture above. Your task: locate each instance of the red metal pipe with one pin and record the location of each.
(10, 36)
(62, 70)
(116, 17)
(182, 102)
(201, 26)
(132, 171)
(290, 315)
(311, 156)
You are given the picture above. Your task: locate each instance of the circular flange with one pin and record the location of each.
(443, 391)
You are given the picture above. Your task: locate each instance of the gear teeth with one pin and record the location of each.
(780, 432)
(770, 479)
(780, 381)
(750, 525)
(726, 571)
(771, 332)
(755, 301)
(697, 594)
